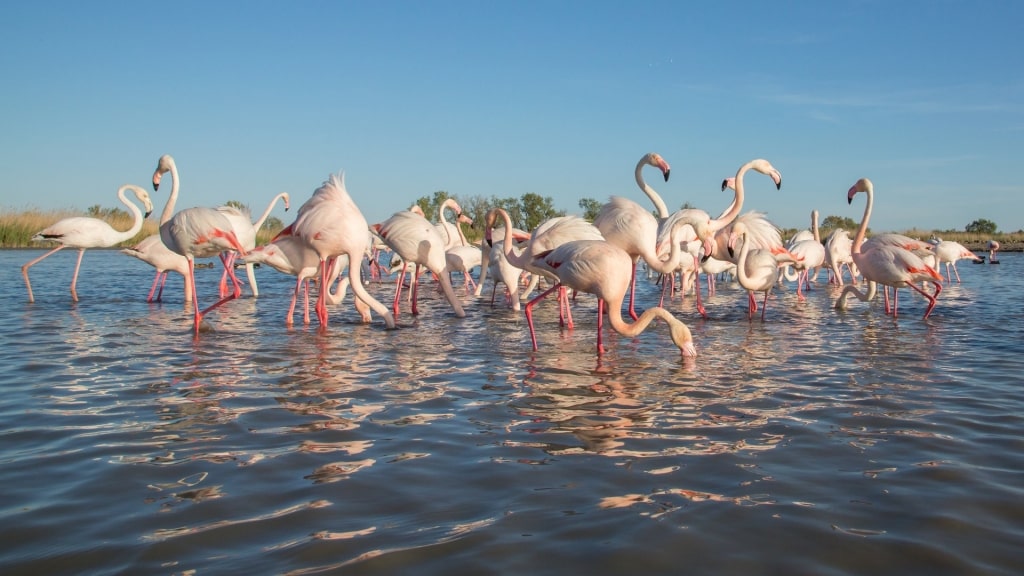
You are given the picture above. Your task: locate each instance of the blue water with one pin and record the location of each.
(817, 442)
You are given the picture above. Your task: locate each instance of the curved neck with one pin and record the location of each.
(733, 210)
(675, 255)
(659, 204)
(270, 207)
(517, 260)
(859, 238)
(136, 212)
(173, 198)
(681, 335)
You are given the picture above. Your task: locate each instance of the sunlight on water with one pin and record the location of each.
(819, 441)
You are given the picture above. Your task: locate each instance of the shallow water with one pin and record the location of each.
(817, 442)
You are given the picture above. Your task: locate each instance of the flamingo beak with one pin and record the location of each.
(851, 194)
(667, 172)
(709, 248)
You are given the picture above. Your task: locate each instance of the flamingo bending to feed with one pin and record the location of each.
(82, 232)
(245, 231)
(838, 247)
(756, 269)
(415, 239)
(600, 268)
(331, 224)
(151, 249)
(948, 252)
(993, 247)
(289, 255)
(886, 264)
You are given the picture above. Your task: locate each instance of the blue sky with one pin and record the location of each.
(503, 98)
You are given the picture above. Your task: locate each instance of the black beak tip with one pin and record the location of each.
(725, 184)
(667, 172)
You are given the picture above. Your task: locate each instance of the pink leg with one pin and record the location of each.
(24, 271)
(398, 288)
(152, 289)
(696, 288)
(74, 279)
(600, 326)
(163, 281)
(529, 312)
(415, 289)
(632, 293)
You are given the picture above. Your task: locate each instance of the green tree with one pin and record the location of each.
(590, 208)
(537, 209)
(982, 226)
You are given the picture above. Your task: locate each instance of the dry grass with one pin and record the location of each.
(18, 227)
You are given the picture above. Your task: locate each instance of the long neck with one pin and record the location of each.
(518, 260)
(173, 198)
(675, 255)
(270, 208)
(814, 226)
(681, 334)
(859, 238)
(137, 223)
(659, 204)
(733, 210)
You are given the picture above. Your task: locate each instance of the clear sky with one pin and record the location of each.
(503, 98)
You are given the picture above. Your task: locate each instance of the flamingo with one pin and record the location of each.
(886, 264)
(151, 249)
(464, 259)
(993, 247)
(551, 233)
(82, 232)
(415, 239)
(603, 269)
(289, 255)
(245, 231)
(948, 252)
(810, 253)
(756, 269)
(331, 224)
(631, 227)
(838, 247)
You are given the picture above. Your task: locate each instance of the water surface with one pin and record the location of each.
(817, 442)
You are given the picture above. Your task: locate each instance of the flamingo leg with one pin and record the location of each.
(696, 288)
(152, 289)
(74, 278)
(398, 288)
(600, 324)
(529, 312)
(24, 271)
(414, 292)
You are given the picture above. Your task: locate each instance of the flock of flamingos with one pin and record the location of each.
(329, 235)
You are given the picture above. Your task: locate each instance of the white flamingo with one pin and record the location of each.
(886, 264)
(82, 232)
(331, 224)
(245, 231)
(948, 252)
(810, 255)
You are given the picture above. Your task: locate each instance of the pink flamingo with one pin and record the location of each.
(290, 255)
(811, 254)
(993, 247)
(416, 241)
(756, 269)
(331, 224)
(245, 231)
(736, 183)
(551, 233)
(82, 232)
(630, 226)
(886, 264)
(948, 252)
(151, 249)
(838, 247)
(604, 270)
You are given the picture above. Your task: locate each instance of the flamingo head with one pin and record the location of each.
(682, 338)
(738, 229)
(862, 185)
(765, 167)
(655, 159)
(163, 166)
